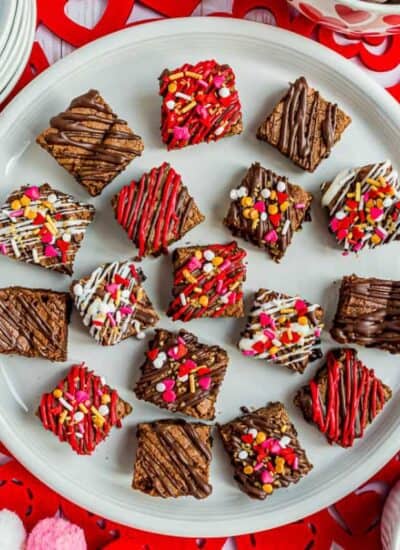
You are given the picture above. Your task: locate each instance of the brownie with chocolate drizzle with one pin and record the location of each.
(182, 374)
(267, 210)
(156, 211)
(343, 397)
(208, 282)
(368, 313)
(173, 459)
(91, 142)
(200, 103)
(304, 126)
(264, 451)
(34, 322)
(82, 410)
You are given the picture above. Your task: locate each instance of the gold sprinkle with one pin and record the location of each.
(358, 191)
(188, 107)
(188, 276)
(192, 383)
(175, 76)
(248, 470)
(83, 408)
(25, 200)
(284, 428)
(267, 488)
(57, 393)
(193, 75)
(172, 88)
(217, 260)
(105, 398)
(203, 300)
(51, 228)
(15, 205)
(247, 201)
(287, 310)
(198, 254)
(63, 416)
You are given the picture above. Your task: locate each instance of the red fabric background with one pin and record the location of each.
(352, 522)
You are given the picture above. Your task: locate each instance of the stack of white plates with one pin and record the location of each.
(17, 30)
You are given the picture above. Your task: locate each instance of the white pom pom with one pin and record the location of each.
(12, 531)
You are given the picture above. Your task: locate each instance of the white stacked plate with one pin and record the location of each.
(17, 30)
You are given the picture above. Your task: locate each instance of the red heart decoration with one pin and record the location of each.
(392, 19)
(52, 14)
(351, 16)
(280, 10)
(320, 18)
(172, 8)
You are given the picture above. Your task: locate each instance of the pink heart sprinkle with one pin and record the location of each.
(202, 111)
(232, 298)
(47, 238)
(169, 396)
(81, 396)
(50, 251)
(218, 81)
(111, 288)
(205, 382)
(32, 192)
(334, 225)
(181, 132)
(375, 212)
(300, 305)
(173, 352)
(259, 206)
(317, 332)
(3, 249)
(193, 264)
(248, 352)
(169, 383)
(265, 319)
(266, 477)
(271, 236)
(126, 310)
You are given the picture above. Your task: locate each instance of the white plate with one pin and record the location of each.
(13, 44)
(7, 13)
(125, 67)
(22, 52)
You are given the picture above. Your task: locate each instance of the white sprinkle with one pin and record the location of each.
(118, 317)
(219, 130)
(104, 410)
(78, 435)
(160, 387)
(170, 104)
(66, 237)
(281, 187)
(253, 432)
(140, 335)
(158, 363)
(284, 441)
(35, 255)
(207, 268)
(225, 298)
(162, 355)
(265, 193)
(242, 191)
(183, 378)
(277, 343)
(183, 96)
(285, 227)
(78, 290)
(52, 198)
(243, 455)
(78, 416)
(15, 248)
(209, 255)
(233, 194)
(103, 380)
(263, 216)
(65, 404)
(340, 215)
(387, 202)
(224, 92)
(182, 298)
(125, 294)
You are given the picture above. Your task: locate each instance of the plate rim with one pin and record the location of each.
(159, 29)
(8, 24)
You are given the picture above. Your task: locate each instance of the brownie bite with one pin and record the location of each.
(113, 304)
(207, 282)
(283, 329)
(364, 206)
(368, 313)
(91, 142)
(181, 374)
(173, 459)
(44, 227)
(34, 322)
(267, 210)
(343, 397)
(264, 451)
(200, 103)
(304, 126)
(157, 211)
(82, 409)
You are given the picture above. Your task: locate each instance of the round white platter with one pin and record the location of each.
(125, 67)
(7, 14)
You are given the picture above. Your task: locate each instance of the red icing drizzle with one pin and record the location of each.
(354, 397)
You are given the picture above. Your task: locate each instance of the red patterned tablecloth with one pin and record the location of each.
(351, 523)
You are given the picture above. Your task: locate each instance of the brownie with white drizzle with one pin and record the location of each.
(283, 329)
(113, 303)
(42, 226)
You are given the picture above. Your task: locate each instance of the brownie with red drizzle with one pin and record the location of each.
(208, 282)
(91, 142)
(343, 397)
(182, 374)
(304, 126)
(368, 313)
(264, 451)
(82, 410)
(267, 210)
(34, 322)
(156, 211)
(173, 459)
(200, 103)
(45, 227)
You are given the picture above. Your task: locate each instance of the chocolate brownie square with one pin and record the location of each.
(181, 374)
(304, 126)
(283, 329)
(264, 451)
(207, 282)
(343, 397)
(173, 459)
(157, 211)
(82, 410)
(44, 227)
(113, 304)
(91, 142)
(200, 103)
(267, 210)
(368, 313)
(364, 206)
(34, 322)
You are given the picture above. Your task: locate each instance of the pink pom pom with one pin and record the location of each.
(57, 534)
